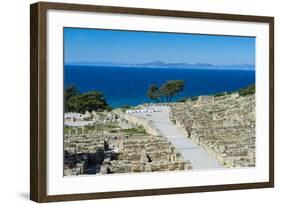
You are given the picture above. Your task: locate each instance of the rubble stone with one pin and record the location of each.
(224, 126)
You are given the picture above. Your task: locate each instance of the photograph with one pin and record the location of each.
(136, 101)
(147, 101)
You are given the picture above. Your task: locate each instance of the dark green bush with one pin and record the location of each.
(194, 98)
(82, 102)
(247, 91)
(219, 94)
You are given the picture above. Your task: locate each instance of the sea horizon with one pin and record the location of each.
(203, 66)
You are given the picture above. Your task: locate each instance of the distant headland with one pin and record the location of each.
(161, 64)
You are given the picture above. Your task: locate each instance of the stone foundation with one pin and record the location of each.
(109, 154)
(137, 121)
(224, 126)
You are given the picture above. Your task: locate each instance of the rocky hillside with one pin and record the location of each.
(223, 125)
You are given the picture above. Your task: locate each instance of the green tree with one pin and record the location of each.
(171, 88)
(166, 91)
(70, 91)
(153, 92)
(89, 101)
(77, 102)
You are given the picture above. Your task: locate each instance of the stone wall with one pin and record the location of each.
(144, 154)
(137, 121)
(224, 126)
(119, 153)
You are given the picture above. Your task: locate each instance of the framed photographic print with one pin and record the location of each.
(134, 102)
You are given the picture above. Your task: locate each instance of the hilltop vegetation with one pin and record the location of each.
(248, 90)
(82, 102)
(242, 92)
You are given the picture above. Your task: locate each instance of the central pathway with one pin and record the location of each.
(198, 157)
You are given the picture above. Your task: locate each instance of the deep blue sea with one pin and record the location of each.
(128, 85)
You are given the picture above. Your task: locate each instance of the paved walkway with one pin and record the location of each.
(198, 157)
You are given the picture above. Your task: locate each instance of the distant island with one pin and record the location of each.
(161, 64)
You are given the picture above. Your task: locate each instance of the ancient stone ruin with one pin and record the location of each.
(224, 126)
(116, 150)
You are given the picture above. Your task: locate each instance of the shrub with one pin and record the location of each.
(247, 91)
(219, 94)
(184, 99)
(194, 98)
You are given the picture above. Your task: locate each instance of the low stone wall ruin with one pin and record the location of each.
(138, 121)
(109, 154)
(224, 126)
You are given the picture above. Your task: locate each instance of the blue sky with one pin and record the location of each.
(94, 45)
